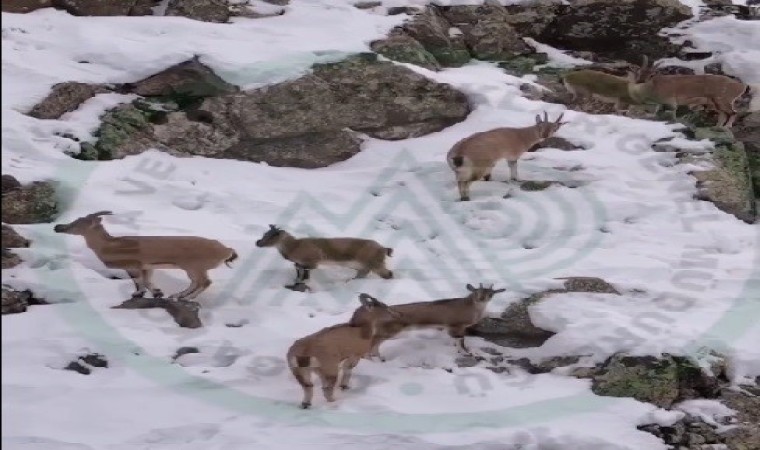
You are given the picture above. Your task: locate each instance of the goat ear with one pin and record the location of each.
(499, 290)
(366, 300)
(538, 118)
(470, 287)
(546, 116)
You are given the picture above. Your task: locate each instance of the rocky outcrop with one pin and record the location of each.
(204, 10)
(187, 81)
(66, 97)
(25, 6)
(747, 131)
(32, 203)
(662, 382)
(618, 29)
(14, 302)
(729, 184)
(11, 239)
(307, 122)
(100, 7)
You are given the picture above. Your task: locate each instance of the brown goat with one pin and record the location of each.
(363, 255)
(716, 92)
(452, 314)
(337, 347)
(474, 157)
(140, 255)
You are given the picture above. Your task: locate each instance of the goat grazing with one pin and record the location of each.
(337, 347)
(140, 255)
(717, 92)
(363, 255)
(474, 157)
(453, 314)
(599, 85)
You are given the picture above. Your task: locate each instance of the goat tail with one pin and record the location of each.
(232, 257)
(754, 91)
(388, 251)
(457, 161)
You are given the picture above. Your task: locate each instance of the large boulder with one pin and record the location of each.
(307, 122)
(619, 29)
(404, 48)
(32, 203)
(662, 382)
(446, 43)
(11, 239)
(747, 131)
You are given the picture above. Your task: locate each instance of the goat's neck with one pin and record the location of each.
(97, 238)
(531, 135)
(287, 245)
(639, 91)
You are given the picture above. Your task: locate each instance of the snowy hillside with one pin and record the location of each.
(617, 210)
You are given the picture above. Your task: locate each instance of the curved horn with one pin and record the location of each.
(560, 117)
(100, 213)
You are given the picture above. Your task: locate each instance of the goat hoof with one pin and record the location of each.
(464, 199)
(298, 287)
(158, 294)
(138, 295)
(344, 387)
(305, 405)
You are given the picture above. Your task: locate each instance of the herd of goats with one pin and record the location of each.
(340, 347)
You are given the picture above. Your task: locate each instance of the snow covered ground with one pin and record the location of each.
(687, 271)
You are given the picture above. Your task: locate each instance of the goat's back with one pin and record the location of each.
(344, 248)
(688, 86)
(336, 342)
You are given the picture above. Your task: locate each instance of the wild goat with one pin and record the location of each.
(599, 85)
(337, 347)
(717, 92)
(140, 255)
(474, 157)
(363, 255)
(453, 314)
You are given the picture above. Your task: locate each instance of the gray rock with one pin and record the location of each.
(184, 312)
(10, 183)
(302, 122)
(33, 203)
(65, 97)
(96, 7)
(9, 259)
(662, 382)
(14, 302)
(306, 151)
(403, 48)
(11, 239)
(217, 11)
(184, 81)
(494, 40)
(620, 29)
(25, 6)
(437, 36)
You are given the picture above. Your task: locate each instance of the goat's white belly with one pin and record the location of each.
(350, 264)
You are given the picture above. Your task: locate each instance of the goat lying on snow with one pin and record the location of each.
(453, 314)
(474, 157)
(364, 255)
(139, 255)
(337, 347)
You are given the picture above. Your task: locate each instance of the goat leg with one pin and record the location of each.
(139, 282)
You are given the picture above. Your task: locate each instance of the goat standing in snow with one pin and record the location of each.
(474, 157)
